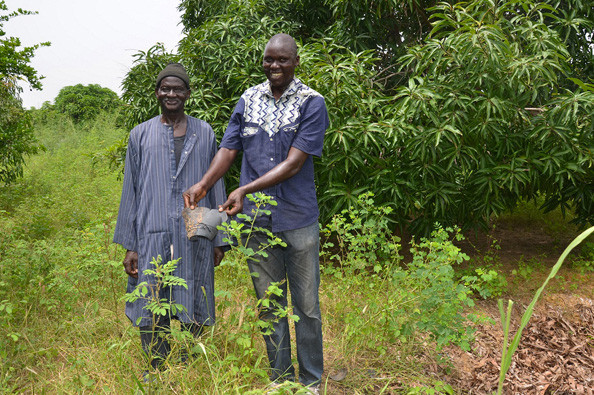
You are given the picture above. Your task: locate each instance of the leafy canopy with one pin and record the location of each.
(16, 132)
(14, 60)
(485, 122)
(84, 102)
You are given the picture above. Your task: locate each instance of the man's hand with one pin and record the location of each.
(219, 254)
(193, 195)
(131, 263)
(234, 203)
(218, 167)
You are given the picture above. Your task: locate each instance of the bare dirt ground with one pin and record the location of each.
(556, 351)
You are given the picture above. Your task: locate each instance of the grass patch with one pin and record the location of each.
(62, 322)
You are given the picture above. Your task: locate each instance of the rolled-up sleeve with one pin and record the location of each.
(313, 124)
(232, 137)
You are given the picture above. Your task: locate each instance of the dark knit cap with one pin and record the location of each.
(174, 70)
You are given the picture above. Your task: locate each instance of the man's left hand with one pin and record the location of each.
(234, 203)
(219, 254)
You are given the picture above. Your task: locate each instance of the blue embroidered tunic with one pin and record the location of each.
(265, 129)
(149, 219)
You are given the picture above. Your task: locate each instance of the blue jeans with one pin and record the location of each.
(298, 264)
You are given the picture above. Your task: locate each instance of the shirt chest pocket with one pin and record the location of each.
(287, 134)
(292, 128)
(250, 129)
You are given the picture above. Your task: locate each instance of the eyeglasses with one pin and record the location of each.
(177, 90)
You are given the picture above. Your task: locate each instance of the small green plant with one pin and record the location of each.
(487, 282)
(491, 256)
(151, 292)
(5, 317)
(363, 241)
(157, 305)
(239, 235)
(524, 269)
(439, 298)
(588, 250)
(585, 262)
(438, 388)
(584, 265)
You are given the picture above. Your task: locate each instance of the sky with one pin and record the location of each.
(92, 42)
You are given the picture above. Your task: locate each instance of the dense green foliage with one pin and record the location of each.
(422, 295)
(385, 26)
(56, 243)
(574, 22)
(454, 121)
(16, 134)
(485, 122)
(14, 60)
(84, 102)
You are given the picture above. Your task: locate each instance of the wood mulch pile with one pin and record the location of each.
(555, 355)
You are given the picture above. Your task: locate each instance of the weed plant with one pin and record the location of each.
(585, 261)
(60, 282)
(391, 306)
(483, 274)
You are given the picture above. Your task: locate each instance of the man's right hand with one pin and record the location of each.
(193, 195)
(218, 167)
(131, 263)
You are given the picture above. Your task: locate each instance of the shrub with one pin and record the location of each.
(82, 102)
(390, 301)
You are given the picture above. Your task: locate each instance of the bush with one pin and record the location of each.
(17, 140)
(82, 102)
(389, 301)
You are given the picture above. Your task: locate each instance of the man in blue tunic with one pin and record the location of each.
(279, 125)
(165, 156)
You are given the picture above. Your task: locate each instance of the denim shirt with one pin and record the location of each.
(265, 129)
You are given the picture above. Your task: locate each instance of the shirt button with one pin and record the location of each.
(271, 159)
(172, 151)
(270, 139)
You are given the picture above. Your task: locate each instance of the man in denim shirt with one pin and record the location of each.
(279, 125)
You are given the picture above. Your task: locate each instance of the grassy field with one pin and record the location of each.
(63, 329)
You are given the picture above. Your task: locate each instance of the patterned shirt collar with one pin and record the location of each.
(293, 87)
